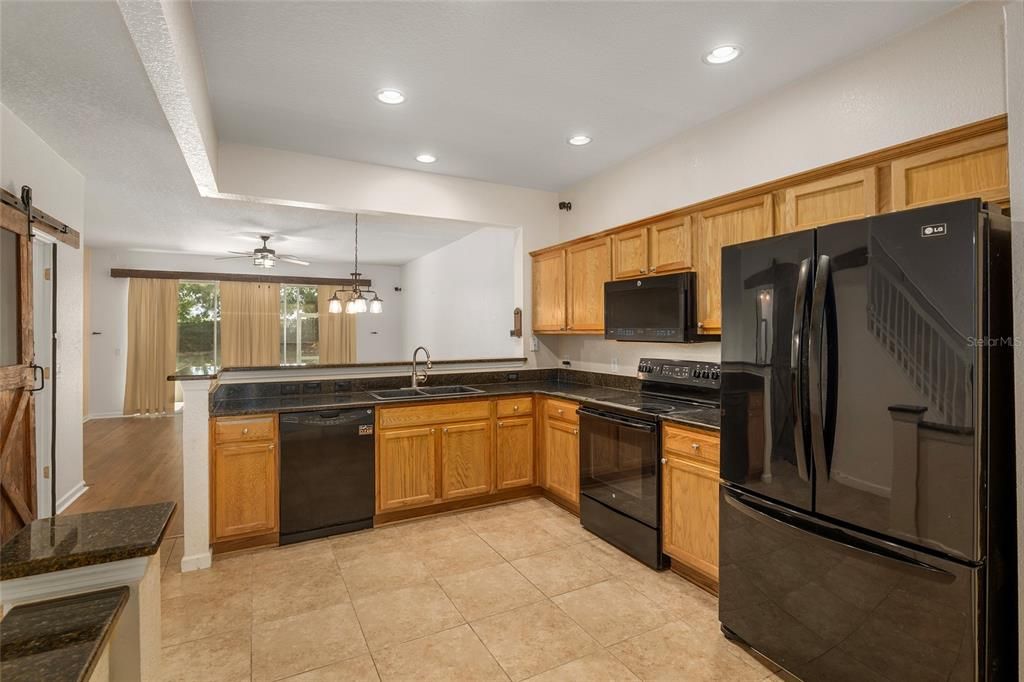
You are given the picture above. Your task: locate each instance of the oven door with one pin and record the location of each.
(619, 463)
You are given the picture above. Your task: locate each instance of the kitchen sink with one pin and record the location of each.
(405, 393)
(396, 394)
(448, 390)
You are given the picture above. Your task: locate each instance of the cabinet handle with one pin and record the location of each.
(664, 461)
(270, 447)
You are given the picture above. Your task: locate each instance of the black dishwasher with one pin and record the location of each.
(326, 473)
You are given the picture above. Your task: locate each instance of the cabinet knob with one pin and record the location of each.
(560, 411)
(664, 461)
(245, 431)
(695, 446)
(515, 408)
(446, 430)
(654, 269)
(643, 271)
(500, 424)
(433, 430)
(270, 447)
(575, 432)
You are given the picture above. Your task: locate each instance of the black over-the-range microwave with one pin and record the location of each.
(662, 308)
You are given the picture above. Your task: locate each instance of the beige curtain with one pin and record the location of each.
(250, 324)
(152, 345)
(337, 331)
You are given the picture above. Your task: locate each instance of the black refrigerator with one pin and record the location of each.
(867, 510)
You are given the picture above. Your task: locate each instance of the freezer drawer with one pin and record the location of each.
(829, 604)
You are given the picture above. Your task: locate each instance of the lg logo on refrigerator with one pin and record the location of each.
(936, 230)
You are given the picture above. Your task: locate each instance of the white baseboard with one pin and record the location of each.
(104, 415)
(70, 496)
(196, 562)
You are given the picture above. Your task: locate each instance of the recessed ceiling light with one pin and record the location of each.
(426, 158)
(722, 54)
(578, 140)
(390, 96)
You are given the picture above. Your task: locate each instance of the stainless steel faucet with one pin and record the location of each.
(417, 376)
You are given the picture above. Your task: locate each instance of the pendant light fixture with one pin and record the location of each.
(356, 302)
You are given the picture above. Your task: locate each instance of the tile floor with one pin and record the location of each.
(516, 591)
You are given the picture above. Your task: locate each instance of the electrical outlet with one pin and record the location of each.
(534, 344)
(615, 364)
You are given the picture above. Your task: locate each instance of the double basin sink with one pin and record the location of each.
(425, 392)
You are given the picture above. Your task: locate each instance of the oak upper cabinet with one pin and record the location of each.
(244, 477)
(588, 267)
(561, 449)
(549, 305)
(406, 465)
(657, 249)
(466, 459)
(690, 478)
(831, 200)
(515, 452)
(977, 167)
(739, 221)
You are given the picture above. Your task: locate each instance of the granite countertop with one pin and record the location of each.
(597, 395)
(59, 639)
(76, 540)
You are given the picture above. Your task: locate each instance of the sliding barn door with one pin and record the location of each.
(17, 409)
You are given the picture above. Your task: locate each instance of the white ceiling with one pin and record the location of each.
(88, 96)
(495, 88)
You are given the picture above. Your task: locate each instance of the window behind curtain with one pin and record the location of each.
(198, 325)
(300, 325)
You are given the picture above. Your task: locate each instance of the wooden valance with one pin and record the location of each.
(233, 277)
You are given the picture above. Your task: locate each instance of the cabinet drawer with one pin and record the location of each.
(242, 429)
(513, 407)
(692, 444)
(414, 415)
(562, 410)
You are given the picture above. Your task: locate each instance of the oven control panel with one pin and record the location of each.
(689, 372)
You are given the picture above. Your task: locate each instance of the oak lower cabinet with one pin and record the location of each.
(561, 450)
(690, 478)
(466, 459)
(406, 467)
(243, 477)
(515, 453)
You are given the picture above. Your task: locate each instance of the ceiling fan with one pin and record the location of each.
(264, 256)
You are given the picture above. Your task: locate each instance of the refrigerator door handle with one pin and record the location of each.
(796, 369)
(822, 276)
(754, 509)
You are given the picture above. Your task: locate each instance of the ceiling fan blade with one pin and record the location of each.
(241, 253)
(244, 255)
(292, 259)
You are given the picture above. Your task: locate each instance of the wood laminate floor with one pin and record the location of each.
(131, 461)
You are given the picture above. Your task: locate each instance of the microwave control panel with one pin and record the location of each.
(689, 372)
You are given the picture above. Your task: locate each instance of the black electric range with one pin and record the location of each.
(620, 452)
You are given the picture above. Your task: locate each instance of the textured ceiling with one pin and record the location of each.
(88, 96)
(494, 89)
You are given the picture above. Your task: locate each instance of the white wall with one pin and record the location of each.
(378, 337)
(58, 189)
(947, 73)
(459, 299)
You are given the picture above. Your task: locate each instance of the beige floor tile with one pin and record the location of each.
(495, 518)
(534, 638)
(192, 617)
(422, 533)
(599, 667)
(401, 615)
(611, 611)
(487, 591)
(315, 583)
(458, 555)
(561, 570)
(227, 575)
(352, 547)
(220, 658)
(678, 652)
(455, 654)
(678, 598)
(358, 669)
(609, 558)
(521, 538)
(286, 558)
(383, 572)
(306, 641)
(561, 524)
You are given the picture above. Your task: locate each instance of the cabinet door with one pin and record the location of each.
(629, 253)
(740, 221)
(690, 514)
(843, 197)
(515, 452)
(406, 465)
(466, 459)
(972, 168)
(244, 489)
(549, 292)
(588, 267)
(562, 460)
(670, 246)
